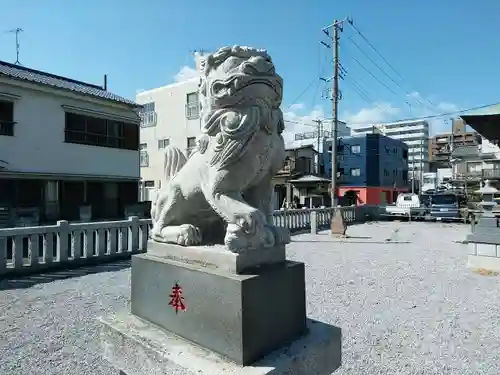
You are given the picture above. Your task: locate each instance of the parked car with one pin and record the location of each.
(444, 206)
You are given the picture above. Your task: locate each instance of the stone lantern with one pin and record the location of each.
(487, 222)
(484, 241)
(488, 193)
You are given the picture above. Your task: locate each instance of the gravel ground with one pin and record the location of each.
(403, 308)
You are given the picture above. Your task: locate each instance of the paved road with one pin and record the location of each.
(404, 308)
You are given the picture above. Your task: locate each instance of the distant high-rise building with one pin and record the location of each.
(414, 133)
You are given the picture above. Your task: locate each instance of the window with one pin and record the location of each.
(191, 143)
(386, 173)
(356, 149)
(94, 131)
(144, 159)
(162, 143)
(149, 184)
(148, 115)
(6, 118)
(148, 107)
(405, 154)
(143, 146)
(192, 106)
(355, 171)
(192, 97)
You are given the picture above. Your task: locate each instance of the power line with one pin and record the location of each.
(388, 76)
(446, 114)
(351, 23)
(373, 76)
(315, 79)
(358, 89)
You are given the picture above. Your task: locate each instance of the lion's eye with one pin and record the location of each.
(217, 87)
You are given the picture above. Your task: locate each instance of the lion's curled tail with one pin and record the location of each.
(173, 162)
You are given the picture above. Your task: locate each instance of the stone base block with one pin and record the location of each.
(136, 347)
(242, 317)
(217, 256)
(486, 262)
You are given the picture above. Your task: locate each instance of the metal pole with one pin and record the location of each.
(413, 177)
(318, 140)
(421, 165)
(335, 102)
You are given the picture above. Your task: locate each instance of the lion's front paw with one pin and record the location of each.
(188, 235)
(251, 222)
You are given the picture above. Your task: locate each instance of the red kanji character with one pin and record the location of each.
(176, 299)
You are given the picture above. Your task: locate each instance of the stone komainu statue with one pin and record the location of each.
(224, 188)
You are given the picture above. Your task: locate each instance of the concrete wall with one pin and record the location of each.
(171, 123)
(38, 144)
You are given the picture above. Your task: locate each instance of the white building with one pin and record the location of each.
(64, 145)
(414, 133)
(171, 115)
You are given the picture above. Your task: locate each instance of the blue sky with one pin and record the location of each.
(446, 50)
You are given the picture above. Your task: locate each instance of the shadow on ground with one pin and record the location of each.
(28, 281)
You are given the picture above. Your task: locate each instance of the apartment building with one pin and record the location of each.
(372, 168)
(442, 145)
(68, 149)
(414, 133)
(170, 115)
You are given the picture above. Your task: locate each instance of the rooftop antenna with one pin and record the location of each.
(16, 31)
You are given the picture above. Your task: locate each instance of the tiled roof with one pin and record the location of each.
(47, 79)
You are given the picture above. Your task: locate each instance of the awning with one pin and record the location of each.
(486, 121)
(310, 179)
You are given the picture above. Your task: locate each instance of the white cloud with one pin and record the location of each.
(296, 121)
(185, 73)
(296, 107)
(416, 106)
(377, 112)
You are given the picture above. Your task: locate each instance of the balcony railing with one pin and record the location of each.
(192, 111)
(491, 173)
(7, 128)
(144, 162)
(148, 119)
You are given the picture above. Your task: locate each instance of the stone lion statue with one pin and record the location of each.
(223, 191)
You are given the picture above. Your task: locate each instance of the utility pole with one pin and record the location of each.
(18, 46)
(421, 165)
(338, 224)
(337, 28)
(318, 140)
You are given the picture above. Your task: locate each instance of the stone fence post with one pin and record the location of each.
(314, 222)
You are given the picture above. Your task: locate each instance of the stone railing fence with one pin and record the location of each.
(298, 220)
(64, 245)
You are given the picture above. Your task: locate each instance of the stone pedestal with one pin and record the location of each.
(338, 225)
(237, 317)
(136, 347)
(218, 257)
(484, 241)
(484, 244)
(242, 317)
